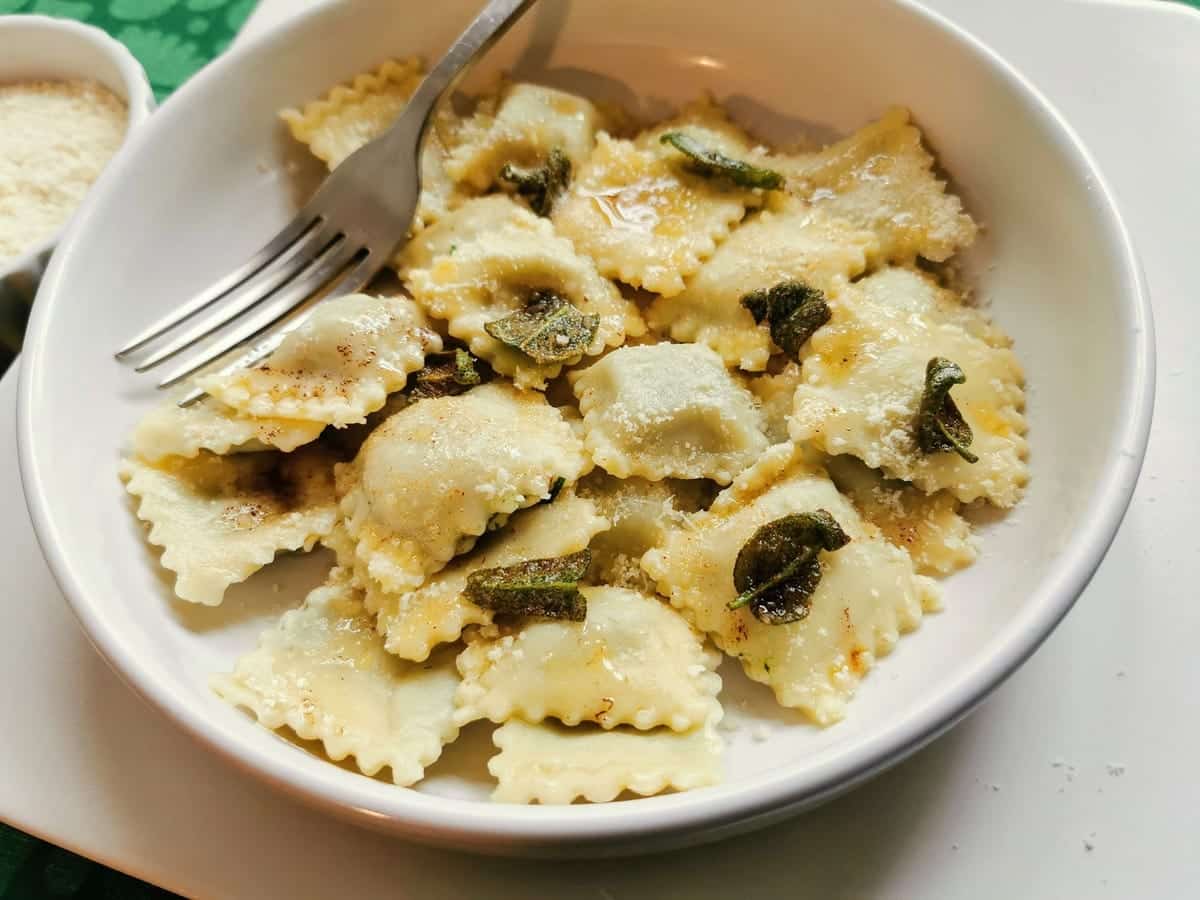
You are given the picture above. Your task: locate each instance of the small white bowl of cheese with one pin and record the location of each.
(69, 97)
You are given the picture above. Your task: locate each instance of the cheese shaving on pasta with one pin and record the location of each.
(865, 373)
(868, 593)
(338, 366)
(633, 661)
(323, 673)
(484, 262)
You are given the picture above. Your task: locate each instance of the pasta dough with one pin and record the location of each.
(868, 593)
(484, 262)
(529, 122)
(323, 672)
(792, 242)
(928, 526)
(173, 430)
(639, 212)
(668, 411)
(634, 661)
(352, 115)
(219, 519)
(865, 373)
(413, 623)
(549, 763)
(338, 366)
(881, 178)
(775, 395)
(431, 478)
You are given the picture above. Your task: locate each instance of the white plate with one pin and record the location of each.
(204, 184)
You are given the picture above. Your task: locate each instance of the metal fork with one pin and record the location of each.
(347, 232)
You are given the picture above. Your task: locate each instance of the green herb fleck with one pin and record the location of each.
(940, 424)
(792, 310)
(447, 374)
(453, 249)
(536, 587)
(555, 487)
(543, 185)
(711, 163)
(777, 570)
(548, 329)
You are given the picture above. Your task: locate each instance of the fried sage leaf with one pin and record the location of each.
(777, 570)
(537, 587)
(940, 424)
(547, 330)
(792, 310)
(543, 185)
(447, 374)
(709, 162)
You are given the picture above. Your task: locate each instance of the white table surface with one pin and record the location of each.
(1076, 779)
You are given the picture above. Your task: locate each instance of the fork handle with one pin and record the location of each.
(489, 26)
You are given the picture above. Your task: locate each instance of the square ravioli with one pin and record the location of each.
(866, 596)
(323, 672)
(173, 430)
(793, 241)
(486, 261)
(521, 127)
(643, 215)
(552, 764)
(353, 114)
(632, 661)
(339, 365)
(865, 373)
(668, 411)
(882, 179)
(414, 622)
(434, 476)
(219, 519)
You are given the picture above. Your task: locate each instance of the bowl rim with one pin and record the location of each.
(139, 100)
(690, 816)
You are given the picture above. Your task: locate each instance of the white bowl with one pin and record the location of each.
(207, 181)
(39, 47)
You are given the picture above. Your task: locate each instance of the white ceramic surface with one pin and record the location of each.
(58, 49)
(1057, 269)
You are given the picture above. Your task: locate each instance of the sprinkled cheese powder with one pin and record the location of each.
(55, 138)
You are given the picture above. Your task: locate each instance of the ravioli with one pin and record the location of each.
(638, 511)
(431, 478)
(668, 411)
(868, 593)
(173, 430)
(485, 261)
(355, 114)
(338, 366)
(633, 661)
(219, 519)
(643, 215)
(865, 373)
(792, 242)
(413, 623)
(552, 764)
(881, 179)
(322, 671)
(529, 121)
(928, 526)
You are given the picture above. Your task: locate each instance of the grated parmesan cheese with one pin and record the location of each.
(55, 138)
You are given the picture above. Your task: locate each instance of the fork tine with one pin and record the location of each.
(301, 226)
(300, 255)
(318, 274)
(355, 279)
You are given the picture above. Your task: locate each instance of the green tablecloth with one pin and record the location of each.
(172, 39)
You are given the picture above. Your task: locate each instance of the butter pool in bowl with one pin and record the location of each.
(69, 96)
(208, 180)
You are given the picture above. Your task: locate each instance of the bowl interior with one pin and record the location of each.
(210, 178)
